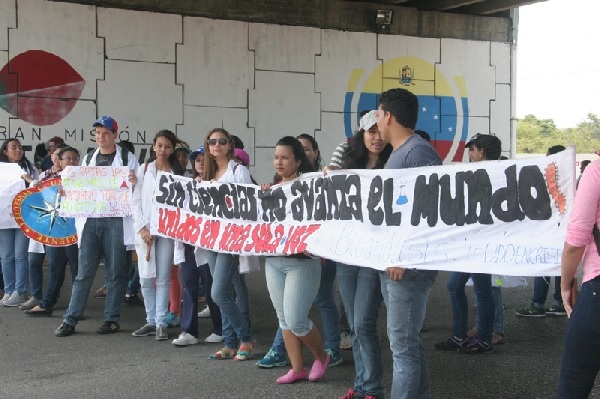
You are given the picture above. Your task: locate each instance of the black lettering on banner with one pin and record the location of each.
(330, 187)
(480, 193)
(304, 196)
(273, 204)
(391, 218)
(217, 202)
(538, 207)
(247, 203)
(452, 210)
(376, 214)
(226, 201)
(510, 196)
(164, 189)
(205, 199)
(179, 195)
(320, 212)
(194, 199)
(354, 203)
(426, 198)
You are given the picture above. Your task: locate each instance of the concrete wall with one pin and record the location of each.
(63, 64)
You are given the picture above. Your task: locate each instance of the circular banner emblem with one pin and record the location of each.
(36, 212)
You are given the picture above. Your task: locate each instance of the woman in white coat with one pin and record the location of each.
(155, 254)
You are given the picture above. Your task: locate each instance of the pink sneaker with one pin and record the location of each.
(292, 377)
(318, 369)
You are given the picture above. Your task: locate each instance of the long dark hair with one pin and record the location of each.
(23, 163)
(315, 146)
(173, 162)
(299, 155)
(356, 154)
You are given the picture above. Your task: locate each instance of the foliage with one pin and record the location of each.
(535, 136)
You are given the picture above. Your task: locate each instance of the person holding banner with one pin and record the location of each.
(102, 236)
(481, 147)
(13, 242)
(360, 287)
(293, 280)
(581, 355)
(224, 268)
(58, 256)
(155, 253)
(406, 291)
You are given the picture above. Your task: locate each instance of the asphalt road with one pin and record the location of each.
(35, 363)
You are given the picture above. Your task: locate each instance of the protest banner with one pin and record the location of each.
(36, 211)
(10, 185)
(503, 217)
(96, 191)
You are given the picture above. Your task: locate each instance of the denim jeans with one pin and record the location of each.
(58, 257)
(293, 285)
(13, 256)
(361, 293)
(36, 273)
(482, 284)
(156, 290)
(406, 302)
(215, 312)
(498, 310)
(242, 298)
(330, 316)
(100, 236)
(223, 268)
(541, 285)
(581, 355)
(133, 284)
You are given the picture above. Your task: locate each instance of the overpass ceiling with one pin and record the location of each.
(469, 7)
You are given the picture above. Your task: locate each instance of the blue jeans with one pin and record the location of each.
(482, 283)
(293, 285)
(156, 290)
(330, 316)
(498, 310)
(58, 257)
(581, 354)
(133, 285)
(101, 236)
(242, 298)
(406, 302)
(36, 273)
(223, 268)
(13, 256)
(215, 312)
(361, 293)
(541, 286)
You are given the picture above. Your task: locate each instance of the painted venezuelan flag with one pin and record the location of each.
(443, 104)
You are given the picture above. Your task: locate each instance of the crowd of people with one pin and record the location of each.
(171, 274)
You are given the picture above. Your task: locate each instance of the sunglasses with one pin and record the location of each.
(213, 142)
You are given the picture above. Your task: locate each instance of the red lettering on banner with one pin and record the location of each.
(210, 233)
(295, 242)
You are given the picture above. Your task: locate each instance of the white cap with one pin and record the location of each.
(368, 120)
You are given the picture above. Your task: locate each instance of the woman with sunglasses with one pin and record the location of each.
(13, 242)
(57, 257)
(224, 268)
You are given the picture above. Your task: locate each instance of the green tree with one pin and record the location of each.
(534, 135)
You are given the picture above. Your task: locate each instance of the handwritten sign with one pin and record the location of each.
(503, 217)
(96, 191)
(11, 184)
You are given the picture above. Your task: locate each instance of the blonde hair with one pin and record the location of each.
(210, 164)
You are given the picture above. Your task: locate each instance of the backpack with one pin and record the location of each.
(124, 156)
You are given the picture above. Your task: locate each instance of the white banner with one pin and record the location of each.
(96, 191)
(10, 185)
(502, 217)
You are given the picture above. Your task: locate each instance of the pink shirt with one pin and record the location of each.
(586, 212)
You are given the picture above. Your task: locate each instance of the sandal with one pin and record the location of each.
(223, 354)
(245, 351)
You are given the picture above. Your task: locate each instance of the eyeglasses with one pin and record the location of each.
(69, 159)
(213, 142)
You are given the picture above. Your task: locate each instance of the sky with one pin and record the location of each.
(558, 61)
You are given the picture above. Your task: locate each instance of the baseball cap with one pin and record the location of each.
(199, 151)
(107, 122)
(242, 155)
(368, 120)
(472, 139)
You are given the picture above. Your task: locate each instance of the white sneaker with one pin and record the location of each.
(204, 313)
(345, 340)
(30, 304)
(4, 298)
(14, 300)
(185, 339)
(214, 338)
